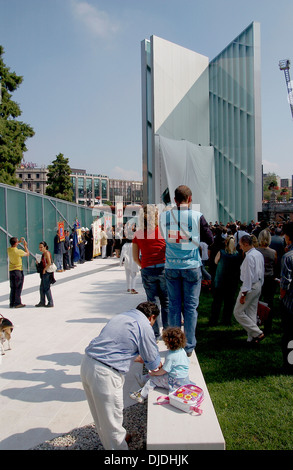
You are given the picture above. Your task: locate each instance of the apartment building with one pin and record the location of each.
(88, 189)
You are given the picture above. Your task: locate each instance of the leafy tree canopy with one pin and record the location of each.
(13, 133)
(59, 182)
(270, 181)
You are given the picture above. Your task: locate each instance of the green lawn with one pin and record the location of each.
(253, 399)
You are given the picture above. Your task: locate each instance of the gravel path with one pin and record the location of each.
(86, 438)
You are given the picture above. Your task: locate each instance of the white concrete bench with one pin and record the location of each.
(169, 428)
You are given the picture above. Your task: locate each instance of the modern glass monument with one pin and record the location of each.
(201, 126)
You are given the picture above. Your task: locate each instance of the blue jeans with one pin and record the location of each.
(58, 259)
(45, 289)
(184, 290)
(154, 283)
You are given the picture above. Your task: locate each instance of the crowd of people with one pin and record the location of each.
(175, 264)
(175, 251)
(169, 251)
(226, 264)
(67, 252)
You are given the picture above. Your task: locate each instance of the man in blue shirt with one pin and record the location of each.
(126, 337)
(184, 229)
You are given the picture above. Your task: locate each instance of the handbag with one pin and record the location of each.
(52, 268)
(263, 311)
(187, 398)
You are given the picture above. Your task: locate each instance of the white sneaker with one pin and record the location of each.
(137, 396)
(141, 379)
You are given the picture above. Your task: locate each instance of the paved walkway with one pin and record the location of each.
(41, 395)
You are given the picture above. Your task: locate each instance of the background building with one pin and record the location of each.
(192, 109)
(88, 189)
(131, 191)
(32, 178)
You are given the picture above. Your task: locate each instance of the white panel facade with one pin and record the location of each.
(180, 92)
(187, 98)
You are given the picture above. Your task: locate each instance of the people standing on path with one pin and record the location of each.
(58, 252)
(16, 276)
(66, 254)
(89, 244)
(126, 337)
(252, 278)
(149, 249)
(183, 228)
(47, 278)
(104, 242)
(81, 246)
(130, 266)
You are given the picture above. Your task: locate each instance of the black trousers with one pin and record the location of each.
(16, 283)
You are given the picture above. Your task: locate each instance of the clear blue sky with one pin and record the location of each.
(81, 64)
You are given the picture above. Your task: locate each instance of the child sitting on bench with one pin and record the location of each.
(175, 371)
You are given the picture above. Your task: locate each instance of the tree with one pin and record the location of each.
(13, 133)
(270, 182)
(59, 183)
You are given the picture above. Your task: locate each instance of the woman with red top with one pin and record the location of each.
(149, 253)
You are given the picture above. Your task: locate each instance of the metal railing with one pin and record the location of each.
(34, 217)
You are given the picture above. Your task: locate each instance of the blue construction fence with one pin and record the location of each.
(34, 217)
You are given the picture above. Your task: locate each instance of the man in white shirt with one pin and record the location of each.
(240, 233)
(252, 278)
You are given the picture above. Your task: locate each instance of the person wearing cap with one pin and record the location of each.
(252, 278)
(127, 337)
(16, 276)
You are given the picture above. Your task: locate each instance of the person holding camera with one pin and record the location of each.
(16, 275)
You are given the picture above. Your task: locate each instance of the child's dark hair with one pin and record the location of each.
(174, 338)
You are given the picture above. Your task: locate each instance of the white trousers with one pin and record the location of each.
(246, 314)
(130, 278)
(104, 391)
(104, 248)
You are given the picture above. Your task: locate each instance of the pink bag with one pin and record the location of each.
(187, 398)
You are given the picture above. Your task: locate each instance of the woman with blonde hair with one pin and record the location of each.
(225, 284)
(149, 253)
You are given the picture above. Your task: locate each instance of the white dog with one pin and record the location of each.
(6, 328)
